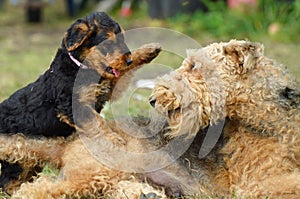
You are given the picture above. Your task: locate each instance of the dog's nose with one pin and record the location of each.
(129, 61)
(152, 102)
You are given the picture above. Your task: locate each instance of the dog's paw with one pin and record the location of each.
(146, 53)
(154, 48)
(152, 51)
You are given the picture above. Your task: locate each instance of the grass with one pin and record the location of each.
(27, 49)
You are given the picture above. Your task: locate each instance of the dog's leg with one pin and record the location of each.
(177, 181)
(97, 127)
(31, 152)
(11, 176)
(12, 150)
(285, 185)
(145, 54)
(22, 157)
(80, 175)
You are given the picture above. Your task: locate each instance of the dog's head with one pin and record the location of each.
(183, 98)
(232, 79)
(97, 41)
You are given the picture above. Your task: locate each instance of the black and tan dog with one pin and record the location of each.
(94, 48)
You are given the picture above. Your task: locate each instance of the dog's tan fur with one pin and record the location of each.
(259, 155)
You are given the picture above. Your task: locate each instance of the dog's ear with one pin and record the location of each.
(76, 35)
(242, 54)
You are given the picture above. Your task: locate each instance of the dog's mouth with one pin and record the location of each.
(113, 71)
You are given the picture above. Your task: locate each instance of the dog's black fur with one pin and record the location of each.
(34, 109)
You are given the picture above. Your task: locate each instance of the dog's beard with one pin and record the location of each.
(184, 122)
(185, 100)
(182, 111)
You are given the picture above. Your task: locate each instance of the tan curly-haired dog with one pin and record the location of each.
(258, 153)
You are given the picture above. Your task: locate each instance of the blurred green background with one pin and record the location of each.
(28, 48)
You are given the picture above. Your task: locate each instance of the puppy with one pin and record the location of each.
(93, 49)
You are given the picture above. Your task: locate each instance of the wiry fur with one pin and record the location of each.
(258, 153)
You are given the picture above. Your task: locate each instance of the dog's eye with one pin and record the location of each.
(192, 66)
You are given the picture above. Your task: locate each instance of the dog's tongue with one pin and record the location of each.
(116, 72)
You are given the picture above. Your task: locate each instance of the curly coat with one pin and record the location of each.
(257, 154)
